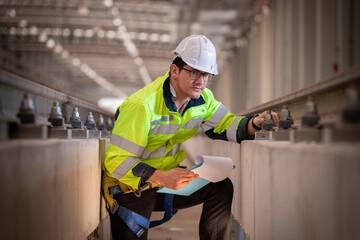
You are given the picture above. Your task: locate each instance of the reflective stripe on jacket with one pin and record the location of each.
(147, 131)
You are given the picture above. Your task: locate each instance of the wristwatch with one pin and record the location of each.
(253, 124)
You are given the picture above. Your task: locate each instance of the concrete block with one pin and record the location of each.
(79, 133)
(285, 190)
(51, 188)
(105, 134)
(300, 191)
(32, 131)
(305, 135)
(103, 144)
(262, 135)
(280, 135)
(246, 214)
(59, 133)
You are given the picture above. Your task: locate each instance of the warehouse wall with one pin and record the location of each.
(289, 46)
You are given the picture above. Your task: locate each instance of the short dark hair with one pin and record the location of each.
(179, 62)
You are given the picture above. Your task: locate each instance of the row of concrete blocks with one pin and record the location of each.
(345, 133)
(42, 131)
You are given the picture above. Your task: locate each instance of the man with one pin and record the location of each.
(144, 151)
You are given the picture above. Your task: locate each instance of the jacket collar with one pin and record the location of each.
(171, 105)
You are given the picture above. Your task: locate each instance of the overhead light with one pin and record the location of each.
(24, 31)
(50, 43)
(78, 32)
(119, 34)
(22, 23)
(11, 13)
(111, 34)
(43, 37)
(145, 75)
(122, 28)
(66, 32)
(117, 22)
(56, 32)
(13, 31)
(47, 31)
(108, 3)
(34, 31)
(154, 37)
(127, 37)
(76, 62)
(101, 33)
(132, 35)
(138, 61)
(115, 11)
(89, 33)
(83, 10)
(110, 104)
(65, 54)
(165, 38)
(143, 36)
(58, 48)
(84, 67)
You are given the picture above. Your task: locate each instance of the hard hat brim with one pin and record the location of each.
(199, 68)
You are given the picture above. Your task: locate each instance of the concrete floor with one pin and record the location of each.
(184, 225)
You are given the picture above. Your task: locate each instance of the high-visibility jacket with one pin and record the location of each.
(148, 131)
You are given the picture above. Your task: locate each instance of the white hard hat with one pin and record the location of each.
(198, 52)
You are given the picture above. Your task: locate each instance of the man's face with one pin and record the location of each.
(186, 87)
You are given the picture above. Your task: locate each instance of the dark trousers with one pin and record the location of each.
(216, 199)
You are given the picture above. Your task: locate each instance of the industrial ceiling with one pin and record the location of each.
(108, 49)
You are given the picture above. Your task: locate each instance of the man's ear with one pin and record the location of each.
(174, 71)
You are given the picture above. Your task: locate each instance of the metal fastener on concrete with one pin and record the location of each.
(282, 133)
(347, 130)
(310, 117)
(266, 127)
(351, 113)
(75, 120)
(109, 124)
(90, 122)
(27, 110)
(308, 131)
(101, 123)
(268, 123)
(29, 128)
(56, 119)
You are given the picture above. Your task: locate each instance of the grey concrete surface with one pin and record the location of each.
(49, 189)
(282, 190)
(184, 225)
(292, 191)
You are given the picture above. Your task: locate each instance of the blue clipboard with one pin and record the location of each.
(192, 187)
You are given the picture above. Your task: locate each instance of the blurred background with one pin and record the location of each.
(102, 51)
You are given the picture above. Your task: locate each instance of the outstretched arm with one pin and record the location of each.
(258, 121)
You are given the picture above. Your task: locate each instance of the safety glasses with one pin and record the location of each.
(194, 75)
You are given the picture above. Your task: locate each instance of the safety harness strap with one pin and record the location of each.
(133, 220)
(169, 213)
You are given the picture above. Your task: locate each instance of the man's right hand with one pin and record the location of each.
(173, 179)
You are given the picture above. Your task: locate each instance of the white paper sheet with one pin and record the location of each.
(214, 169)
(210, 169)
